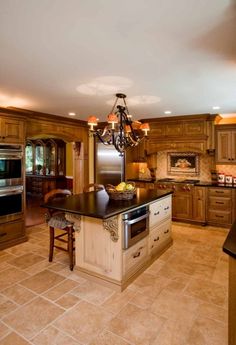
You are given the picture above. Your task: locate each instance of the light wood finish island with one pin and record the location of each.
(99, 234)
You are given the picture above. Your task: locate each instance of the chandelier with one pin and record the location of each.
(120, 130)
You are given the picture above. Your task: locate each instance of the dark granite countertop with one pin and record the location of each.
(98, 204)
(199, 183)
(229, 246)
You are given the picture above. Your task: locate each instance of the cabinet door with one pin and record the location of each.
(12, 131)
(233, 153)
(159, 211)
(194, 128)
(223, 146)
(199, 204)
(182, 205)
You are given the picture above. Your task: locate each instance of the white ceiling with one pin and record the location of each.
(180, 52)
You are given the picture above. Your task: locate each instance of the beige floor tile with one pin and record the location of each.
(40, 266)
(212, 311)
(207, 331)
(92, 292)
(4, 266)
(6, 257)
(108, 338)
(18, 294)
(6, 306)
(175, 332)
(67, 301)
(42, 281)
(14, 339)
(31, 318)
(136, 325)
(84, 321)
(174, 306)
(52, 336)
(11, 276)
(57, 267)
(4, 330)
(208, 291)
(66, 272)
(59, 290)
(118, 300)
(142, 300)
(25, 260)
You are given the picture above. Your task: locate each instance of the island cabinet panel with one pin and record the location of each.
(158, 236)
(182, 205)
(12, 130)
(134, 257)
(159, 211)
(96, 252)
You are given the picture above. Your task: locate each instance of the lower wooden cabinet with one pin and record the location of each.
(182, 205)
(220, 206)
(12, 233)
(158, 236)
(41, 185)
(199, 204)
(134, 257)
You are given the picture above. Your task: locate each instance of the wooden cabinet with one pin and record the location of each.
(12, 233)
(220, 206)
(137, 154)
(11, 130)
(158, 236)
(45, 165)
(182, 205)
(226, 144)
(199, 204)
(134, 257)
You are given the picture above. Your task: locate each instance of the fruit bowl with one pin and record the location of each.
(124, 194)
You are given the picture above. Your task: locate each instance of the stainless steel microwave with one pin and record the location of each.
(11, 165)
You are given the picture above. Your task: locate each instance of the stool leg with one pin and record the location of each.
(51, 244)
(70, 247)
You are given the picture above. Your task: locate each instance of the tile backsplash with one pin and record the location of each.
(207, 163)
(227, 169)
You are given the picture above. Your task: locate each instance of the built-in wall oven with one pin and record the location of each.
(11, 165)
(11, 203)
(135, 226)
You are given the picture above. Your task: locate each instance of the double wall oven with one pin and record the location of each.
(11, 182)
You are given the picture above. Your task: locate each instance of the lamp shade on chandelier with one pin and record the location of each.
(120, 130)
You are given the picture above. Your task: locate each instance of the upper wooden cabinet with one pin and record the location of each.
(11, 130)
(181, 133)
(226, 144)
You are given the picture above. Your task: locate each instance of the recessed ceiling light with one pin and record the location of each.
(71, 114)
(216, 107)
(167, 112)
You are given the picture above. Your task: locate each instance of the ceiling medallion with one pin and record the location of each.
(120, 130)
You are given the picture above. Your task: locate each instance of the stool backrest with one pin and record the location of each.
(93, 187)
(56, 194)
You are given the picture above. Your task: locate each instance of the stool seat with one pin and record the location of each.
(57, 220)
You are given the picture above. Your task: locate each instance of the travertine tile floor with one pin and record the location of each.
(180, 300)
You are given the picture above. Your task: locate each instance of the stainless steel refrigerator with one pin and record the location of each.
(109, 165)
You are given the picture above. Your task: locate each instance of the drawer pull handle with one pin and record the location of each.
(136, 255)
(156, 239)
(219, 216)
(218, 202)
(156, 213)
(166, 232)
(3, 234)
(166, 208)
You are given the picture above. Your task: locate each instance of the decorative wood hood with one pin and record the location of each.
(194, 133)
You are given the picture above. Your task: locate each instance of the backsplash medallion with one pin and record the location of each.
(206, 163)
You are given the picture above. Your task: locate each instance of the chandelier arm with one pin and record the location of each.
(112, 110)
(126, 107)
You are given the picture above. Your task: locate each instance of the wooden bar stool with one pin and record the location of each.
(56, 220)
(93, 187)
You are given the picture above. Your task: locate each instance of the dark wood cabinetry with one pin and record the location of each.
(45, 165)
(182, 205)
(226, 144)
(199, 204)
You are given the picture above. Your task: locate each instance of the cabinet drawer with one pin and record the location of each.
(159, 211)
(220, 203)
(135, 255)
(159, 235)
(219, 192)
(10, 231)
(221, 217)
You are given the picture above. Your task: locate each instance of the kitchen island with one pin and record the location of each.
(99, 234)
